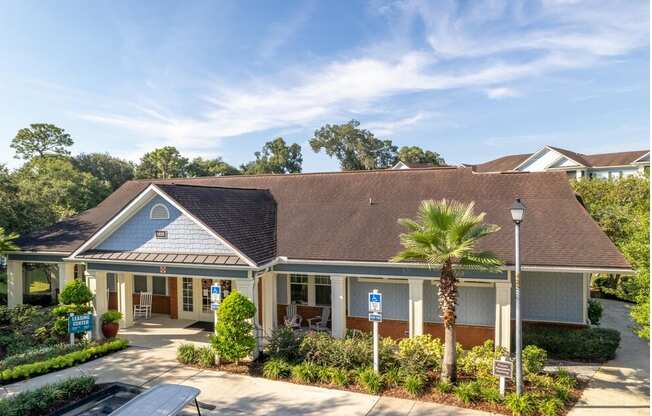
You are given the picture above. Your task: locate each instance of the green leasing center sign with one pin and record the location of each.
(80, 323)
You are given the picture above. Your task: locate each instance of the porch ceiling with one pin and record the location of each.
(176, 258)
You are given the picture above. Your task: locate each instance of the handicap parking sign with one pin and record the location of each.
(216, 293)
(375, 302)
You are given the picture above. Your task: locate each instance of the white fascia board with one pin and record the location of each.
(641, 157)
(532, 156)
(37, 253)
(567, 157)
(204, 226)
(570, 269)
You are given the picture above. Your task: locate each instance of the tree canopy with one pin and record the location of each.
(162, 163)
(275, 157)
(622, 209)
(354, 147)
(415, 154)
(41, 139)
(103, 166)
(210, 167)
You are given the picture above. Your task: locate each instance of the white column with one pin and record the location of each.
(503, 325)
(268, 280)
(338, 305)
(125, 286)
(247, 288)
(14, 283)
(415, 324)
(66, 274)
(586, 294)
(97, 285)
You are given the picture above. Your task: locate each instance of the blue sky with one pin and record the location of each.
(471, 80)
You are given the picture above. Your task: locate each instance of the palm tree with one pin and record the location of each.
(445, 233)
(7, 241)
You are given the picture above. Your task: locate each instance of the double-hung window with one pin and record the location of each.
(311, 290)
(299, 288)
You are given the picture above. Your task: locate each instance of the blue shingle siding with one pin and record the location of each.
(282, 289)
(555, 297)
(475, 305)
(184, 235)
(395, 298)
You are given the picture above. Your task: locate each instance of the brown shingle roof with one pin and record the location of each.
(615, 159)
(328, 216)
(502, 164)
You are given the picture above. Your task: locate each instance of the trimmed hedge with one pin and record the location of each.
(45, 400)
(24, 371)
(589, 344)
(41, 354)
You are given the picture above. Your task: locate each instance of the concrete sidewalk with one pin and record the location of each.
(620, 386)
(235, 394)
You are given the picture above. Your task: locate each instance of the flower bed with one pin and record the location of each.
(47, 399)
(408, 368)
(23, 371)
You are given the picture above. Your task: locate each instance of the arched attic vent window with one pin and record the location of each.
(159, 212)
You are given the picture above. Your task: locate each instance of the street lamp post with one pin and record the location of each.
(517, 211)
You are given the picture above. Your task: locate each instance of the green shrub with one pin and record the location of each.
(522, 405)
(46, 399)
(41, 354)
(392, 377)
(534, 359)
(76, 292)
(63, 361)
(24, 327)
(479, 360)
(414, 384)
(420, 353)
(276, 368)
(490, 394)
(205, 357)
(370, 381)
(306, 372)
(339, 377)
(284, 342)
(589, 344)
(594, 311)
(187, 354)
(348, 353)
(550, 406)
(444, 387)
(562, 393)
(468, 392)
(234, 339)
(111, 316)
(565, 379)
(541, 381)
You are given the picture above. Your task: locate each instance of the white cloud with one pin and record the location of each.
(501, 92)
(473, 48)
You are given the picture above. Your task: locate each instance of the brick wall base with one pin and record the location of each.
(467, 335)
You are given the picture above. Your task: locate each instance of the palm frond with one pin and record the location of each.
(483, 260)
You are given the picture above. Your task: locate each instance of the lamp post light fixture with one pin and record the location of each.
(518, 211)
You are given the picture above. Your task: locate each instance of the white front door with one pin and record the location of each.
(204, 299)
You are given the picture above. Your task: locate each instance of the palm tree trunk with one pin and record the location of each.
(447, 301)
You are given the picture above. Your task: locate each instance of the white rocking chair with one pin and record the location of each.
(292, 318)
(321, 322)
(144, 307)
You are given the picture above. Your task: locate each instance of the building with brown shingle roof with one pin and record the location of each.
(301, 243)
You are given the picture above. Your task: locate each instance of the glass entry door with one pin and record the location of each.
(206, 314)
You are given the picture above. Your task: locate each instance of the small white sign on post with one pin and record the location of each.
(376, 316)
(504, 369)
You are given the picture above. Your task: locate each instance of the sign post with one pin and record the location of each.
(376, 316)
(504, 369)
(216, 298)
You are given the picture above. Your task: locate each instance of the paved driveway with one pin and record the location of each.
(620, 386)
